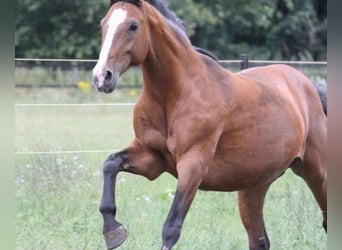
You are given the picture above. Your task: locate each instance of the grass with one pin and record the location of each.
(66, 75)
(57, 196)
(57, 202)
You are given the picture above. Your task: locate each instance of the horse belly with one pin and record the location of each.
(251, 160)
(232, 177)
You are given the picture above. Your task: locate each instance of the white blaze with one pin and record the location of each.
(117, 17)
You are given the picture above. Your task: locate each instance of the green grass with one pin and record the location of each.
(57, 202)
(52, 74)
(57, 196)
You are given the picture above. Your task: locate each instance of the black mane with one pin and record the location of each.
(162, 7)
(171, 16)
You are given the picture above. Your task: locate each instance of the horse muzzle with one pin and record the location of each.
(105, 82)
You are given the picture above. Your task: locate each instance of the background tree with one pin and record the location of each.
(265, 29)
(58, 29)
(298, 30)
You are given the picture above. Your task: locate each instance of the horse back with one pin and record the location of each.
(292, 85)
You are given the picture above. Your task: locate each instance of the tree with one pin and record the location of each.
(299, 30)
(265, 29)
(60, 28)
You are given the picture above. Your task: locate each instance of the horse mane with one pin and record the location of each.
(171, 16)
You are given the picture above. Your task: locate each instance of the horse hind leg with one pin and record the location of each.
(312, 168)
(251, 204)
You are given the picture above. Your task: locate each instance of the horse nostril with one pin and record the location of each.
(108, 75)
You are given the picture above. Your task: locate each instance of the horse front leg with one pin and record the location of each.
(135, 159)
(113, 231)
(190, 176)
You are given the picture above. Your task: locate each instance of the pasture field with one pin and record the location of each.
(57, 195)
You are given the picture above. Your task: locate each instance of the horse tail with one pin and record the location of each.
(321, 88)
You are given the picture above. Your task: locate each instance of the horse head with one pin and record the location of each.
(124, 42)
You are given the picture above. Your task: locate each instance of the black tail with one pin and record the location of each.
(322, 91)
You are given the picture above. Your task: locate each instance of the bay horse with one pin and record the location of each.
(210, 128)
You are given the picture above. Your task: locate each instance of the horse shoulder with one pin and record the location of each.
(194, 128)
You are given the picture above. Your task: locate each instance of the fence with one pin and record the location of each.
(73, 73)
(34, 75)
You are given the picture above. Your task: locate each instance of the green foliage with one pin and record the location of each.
(298, 33)
(57, 29)
(265, 29)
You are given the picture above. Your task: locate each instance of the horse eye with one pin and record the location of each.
(133, 26)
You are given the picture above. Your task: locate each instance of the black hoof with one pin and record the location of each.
(115, 238)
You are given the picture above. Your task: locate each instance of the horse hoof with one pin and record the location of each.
(115, 238)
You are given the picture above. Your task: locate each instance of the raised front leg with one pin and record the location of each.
(135, 159)
(190, 175)
(113, 231)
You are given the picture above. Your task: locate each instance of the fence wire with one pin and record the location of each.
(58, 72)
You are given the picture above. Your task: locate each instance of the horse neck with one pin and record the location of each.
(169, 60)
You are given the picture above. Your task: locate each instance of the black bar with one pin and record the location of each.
(244, 61)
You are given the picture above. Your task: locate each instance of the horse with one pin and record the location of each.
(210, 128)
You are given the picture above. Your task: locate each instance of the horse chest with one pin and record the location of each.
(149, 130)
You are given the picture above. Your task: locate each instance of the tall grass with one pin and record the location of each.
(57, 200)
(57, 196)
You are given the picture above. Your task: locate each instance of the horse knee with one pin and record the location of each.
(112, 164)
